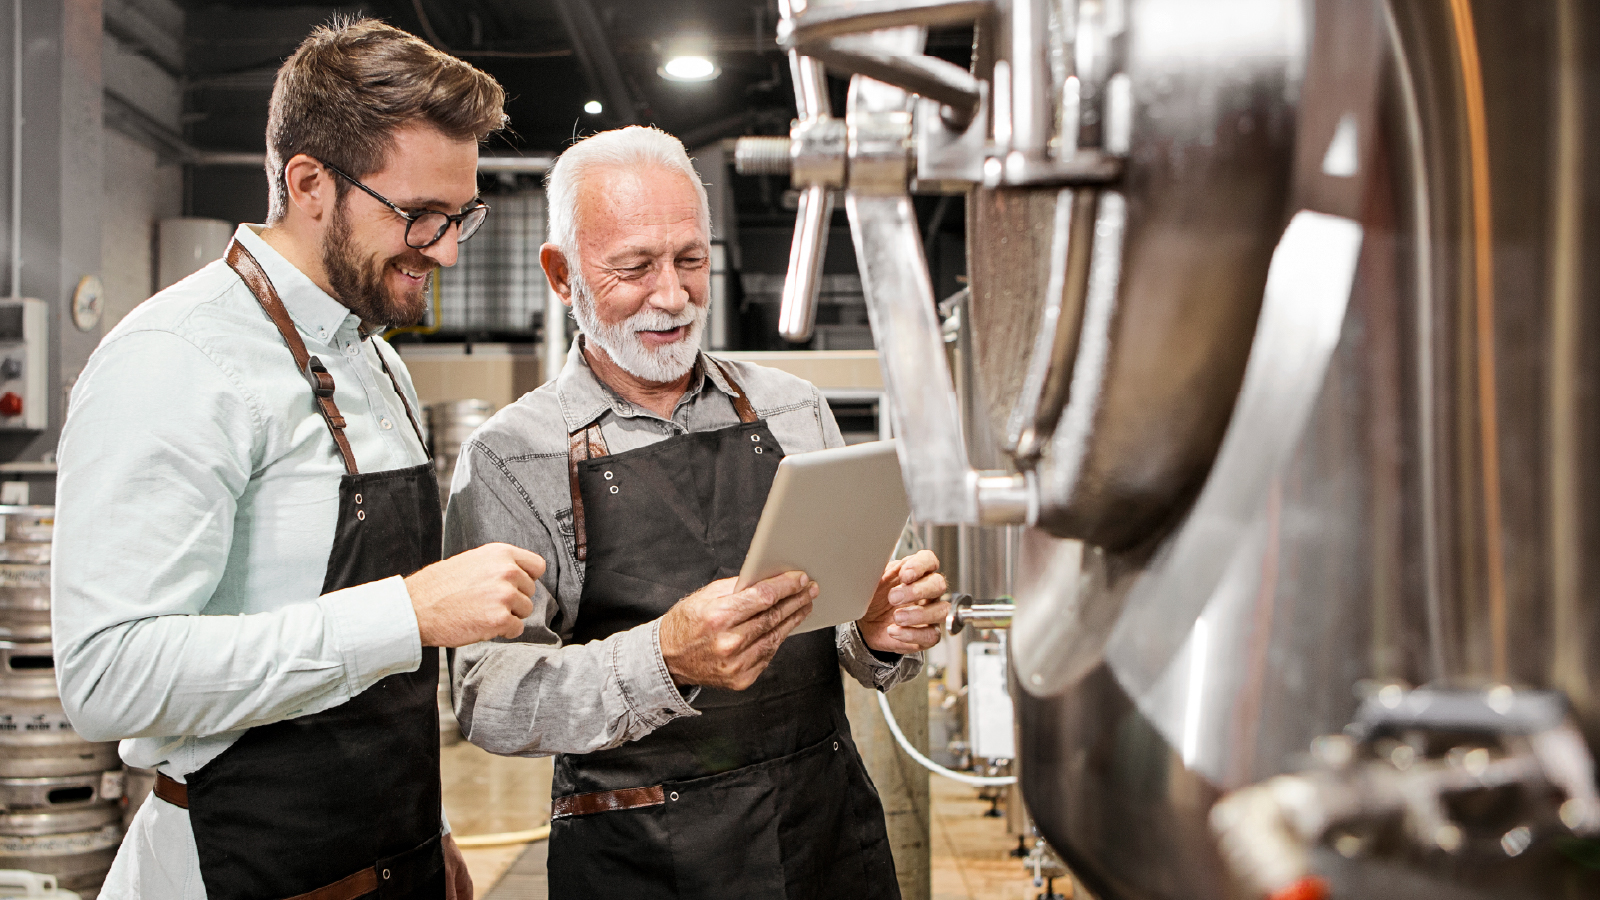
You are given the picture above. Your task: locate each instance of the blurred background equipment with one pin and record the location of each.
(59, 810)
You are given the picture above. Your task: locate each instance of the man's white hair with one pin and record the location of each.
(631, 147)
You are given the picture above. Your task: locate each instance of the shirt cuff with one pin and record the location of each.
(374, 630)
(866, 667)
(854, 644)
(641, 672)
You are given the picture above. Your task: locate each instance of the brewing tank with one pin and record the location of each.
(1277, 308)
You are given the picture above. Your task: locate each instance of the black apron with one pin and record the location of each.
(763, 794)
(301, 804)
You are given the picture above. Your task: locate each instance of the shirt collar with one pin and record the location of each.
(585, 398)
(313, 311)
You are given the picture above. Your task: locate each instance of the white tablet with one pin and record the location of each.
(835, 515)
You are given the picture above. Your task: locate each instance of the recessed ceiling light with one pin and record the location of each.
(689, 68)
(593, 108)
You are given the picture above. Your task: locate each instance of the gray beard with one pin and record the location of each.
(621, 341)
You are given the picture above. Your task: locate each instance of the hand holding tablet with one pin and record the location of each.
(836, 515)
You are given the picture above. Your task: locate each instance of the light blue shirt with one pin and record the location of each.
(196, 504)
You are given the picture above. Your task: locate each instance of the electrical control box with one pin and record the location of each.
(24, 365)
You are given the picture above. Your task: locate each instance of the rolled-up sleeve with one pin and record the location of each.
(535, 694)
(158, 448)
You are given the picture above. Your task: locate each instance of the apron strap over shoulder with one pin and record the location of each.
(585, 443)
(415, 425)
(248, 270)
(741, 403)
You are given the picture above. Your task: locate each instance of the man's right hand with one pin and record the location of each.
(475, 595)
(716, 637)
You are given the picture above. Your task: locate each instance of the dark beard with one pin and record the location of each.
(360, 288)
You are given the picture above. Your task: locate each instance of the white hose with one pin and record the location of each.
(930, 765)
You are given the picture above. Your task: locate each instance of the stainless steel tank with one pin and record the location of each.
(1279, 308)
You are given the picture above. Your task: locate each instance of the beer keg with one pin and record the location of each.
(25, 572)
(76, 845)
(59, 794)
(449, 425)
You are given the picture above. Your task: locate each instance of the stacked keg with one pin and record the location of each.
(59, 812)
(449, 426)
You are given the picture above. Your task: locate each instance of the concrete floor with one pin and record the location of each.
(487, 794)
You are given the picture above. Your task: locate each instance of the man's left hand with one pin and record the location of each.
(906, 613)
(457, 880)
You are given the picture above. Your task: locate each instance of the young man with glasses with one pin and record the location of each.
(247, 588)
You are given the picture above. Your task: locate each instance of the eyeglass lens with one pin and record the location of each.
(425, 230)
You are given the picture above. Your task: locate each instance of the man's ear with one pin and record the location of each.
(311, 189)
(556, 271)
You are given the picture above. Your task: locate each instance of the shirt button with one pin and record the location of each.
(351, 349)
(386, 423)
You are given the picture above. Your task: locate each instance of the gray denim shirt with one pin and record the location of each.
(537, 694)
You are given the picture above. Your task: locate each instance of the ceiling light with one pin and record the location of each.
(689, 68)
(593, 108)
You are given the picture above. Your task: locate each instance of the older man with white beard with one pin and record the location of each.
(698, 752)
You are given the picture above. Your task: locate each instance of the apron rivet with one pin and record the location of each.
(758, 449)
(613, 489)
(756, 438)
(673, 795)
(835, 745)
(385, 874)
(361, 515)
(358, 499)
(608, 476)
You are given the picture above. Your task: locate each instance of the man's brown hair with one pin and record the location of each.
(351, 83)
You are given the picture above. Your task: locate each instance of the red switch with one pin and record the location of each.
(10, 404)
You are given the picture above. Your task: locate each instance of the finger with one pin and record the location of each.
(513, 627)
(929, 587)
(756, 627)
(519, 580)
(918, 639)
(918, 565)
(761, 651)
(925, 614)
(528, 561)
(761, 597)
(521, 606)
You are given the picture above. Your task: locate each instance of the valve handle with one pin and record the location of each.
(797, 314)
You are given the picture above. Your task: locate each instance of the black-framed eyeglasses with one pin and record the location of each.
(425, 228)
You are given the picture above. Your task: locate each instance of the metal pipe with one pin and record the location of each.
(966, 612)
(798, 308)
(529, 165)
(16, 148)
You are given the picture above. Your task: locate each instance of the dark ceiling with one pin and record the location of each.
(552, 56)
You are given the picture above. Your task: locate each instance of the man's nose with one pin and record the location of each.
(670, 294)
(445, 250)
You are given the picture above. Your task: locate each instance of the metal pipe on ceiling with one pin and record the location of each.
(517, 165)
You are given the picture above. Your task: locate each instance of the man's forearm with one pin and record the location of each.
(535, 697)
(177, 675)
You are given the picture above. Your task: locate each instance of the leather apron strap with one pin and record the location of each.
(585, 443)
(245, 266)
(240, 260)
